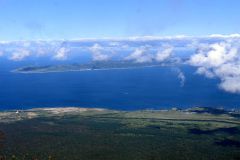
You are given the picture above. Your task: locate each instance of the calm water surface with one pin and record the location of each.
(128, 89)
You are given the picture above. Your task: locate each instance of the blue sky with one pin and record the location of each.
(70, 19)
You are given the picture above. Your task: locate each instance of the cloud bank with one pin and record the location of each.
(20, 54)
(141, 55)
(144, 54)
(97, 53)
(164, 53)
(220, 60)
(214, 56)
(61, 54)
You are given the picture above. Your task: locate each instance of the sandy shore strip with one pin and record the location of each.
(67, 110)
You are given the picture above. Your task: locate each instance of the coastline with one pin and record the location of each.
(192, 110)
(196, 114)
(82, 70)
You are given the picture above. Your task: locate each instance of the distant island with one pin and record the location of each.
(84, 67)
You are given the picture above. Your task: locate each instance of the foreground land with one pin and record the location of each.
(100, 134)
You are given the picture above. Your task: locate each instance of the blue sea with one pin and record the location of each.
(123, 89)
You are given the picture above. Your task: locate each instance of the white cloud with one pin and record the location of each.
(224, 36)
(154, 38)
(97, 53)
(182, 78)
(215, 55)
(146, 53)
(114, 44)
(141, 55)
(44, 48)
(26, 44)
(4, 42)
(220, 60)
(41, 51)
(228, 70)
(61, 54)
(20, 54)
(134, 38)
(206, 72)
(231, 84)
(164, 53)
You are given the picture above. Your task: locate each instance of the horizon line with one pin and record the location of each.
(131, 38)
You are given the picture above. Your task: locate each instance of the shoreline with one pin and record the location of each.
(196, 114)
(83, 70)
(188, 109)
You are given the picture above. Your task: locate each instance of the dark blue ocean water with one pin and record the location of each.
(128, 89)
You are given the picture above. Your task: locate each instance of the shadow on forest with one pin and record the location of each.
(2, 138)
(228, 143)
(231, 130)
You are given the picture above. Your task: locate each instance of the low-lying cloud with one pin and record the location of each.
(20, 54)
(220, 60)
(98, 53)
(144, 54)
(141, 55)
(164, 53)
(61, 54)
(181, 76)
(215, 56)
